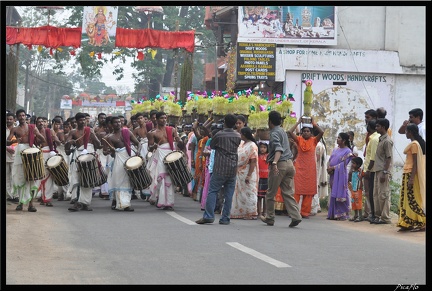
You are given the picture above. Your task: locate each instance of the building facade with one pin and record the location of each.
(379, 61)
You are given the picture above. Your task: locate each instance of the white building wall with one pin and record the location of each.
(384, 41)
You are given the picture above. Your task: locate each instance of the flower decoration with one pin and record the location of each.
(308, 82)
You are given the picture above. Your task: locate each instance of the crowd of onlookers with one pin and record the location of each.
(223, 164)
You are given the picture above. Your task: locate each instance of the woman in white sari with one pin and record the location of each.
(244, 202)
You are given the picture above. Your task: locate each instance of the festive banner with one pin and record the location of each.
(53, 37)
(99, 25)
(142, 38)
(48, 36)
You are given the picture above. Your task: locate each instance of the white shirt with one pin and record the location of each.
(422, 129)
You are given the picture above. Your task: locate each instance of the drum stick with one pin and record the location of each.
(113, 148)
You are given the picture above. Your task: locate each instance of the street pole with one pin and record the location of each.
(216, 71)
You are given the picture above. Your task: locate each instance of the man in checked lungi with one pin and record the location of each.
(85, 141)
(161, 142)
(25, 135)
(118, 145)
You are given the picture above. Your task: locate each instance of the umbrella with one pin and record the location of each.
(84, 95)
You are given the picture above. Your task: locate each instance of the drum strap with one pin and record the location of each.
(31, 128)
(170, 138)
(50, 142)
(86, 136)
(126, 139)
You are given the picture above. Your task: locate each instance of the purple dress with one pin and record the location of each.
(339, 207)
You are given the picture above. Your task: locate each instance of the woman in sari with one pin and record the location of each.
(200, 162)
(339, 206)
(244, 201)
(412, 201)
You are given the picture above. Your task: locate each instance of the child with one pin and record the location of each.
(355, 186)
(263, 176)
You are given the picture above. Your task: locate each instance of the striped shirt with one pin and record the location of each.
(225, 143)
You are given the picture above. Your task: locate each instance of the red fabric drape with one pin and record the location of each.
(54, 37)
(142, 38)
(48, 36)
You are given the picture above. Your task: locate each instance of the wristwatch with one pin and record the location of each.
(385, 172)
(274, 163)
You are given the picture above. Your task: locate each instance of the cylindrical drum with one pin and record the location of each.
(177, 168)
(58, 168)
(139, 176)
(90, 170)
(33, 164)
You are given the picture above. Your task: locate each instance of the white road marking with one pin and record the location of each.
(258, 255)
(181, 218)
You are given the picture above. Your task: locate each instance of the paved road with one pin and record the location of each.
(152, 246)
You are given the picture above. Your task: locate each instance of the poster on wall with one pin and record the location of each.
(256, 61)
(341, 98)
(308, 25)
(99, 25)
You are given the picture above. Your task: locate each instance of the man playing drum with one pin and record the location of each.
(161, 143)
(118, 145)
(60, 133)
(101, 131)
(25, 136)
(47, 186)
(141, 133)
(85, 141)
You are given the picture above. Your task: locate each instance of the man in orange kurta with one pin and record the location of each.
(305, 178)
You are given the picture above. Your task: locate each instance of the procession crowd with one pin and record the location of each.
(222, 164)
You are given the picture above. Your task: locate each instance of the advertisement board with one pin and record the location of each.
(308, 25)
(256, 61)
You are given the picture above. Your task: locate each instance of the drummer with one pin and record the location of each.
(47, 186)
(60, 133)
(85, 141)
(25, 135)
(118, 145)
(161, 143)
(101, 131)
(141, 133)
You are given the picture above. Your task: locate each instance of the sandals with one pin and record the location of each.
(418, 229)
(32, 209)
(128, 209)
(19, 207)
(403, 229)
(86, 208)
(49, 204)
(113, 205)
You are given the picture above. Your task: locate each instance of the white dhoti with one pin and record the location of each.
(161, 188)
(22, 188)
(47, 187)
(62, 190)
(103, 159)
(143, 150)
(118, 180)
(85, 194)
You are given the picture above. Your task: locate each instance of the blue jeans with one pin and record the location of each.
(216, 183)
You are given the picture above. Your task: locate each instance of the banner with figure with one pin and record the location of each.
(99, 25)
